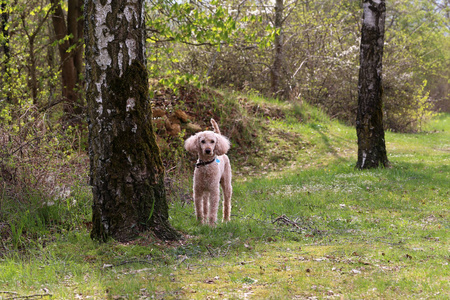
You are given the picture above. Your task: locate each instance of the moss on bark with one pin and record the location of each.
(131, 181)
(127, 174)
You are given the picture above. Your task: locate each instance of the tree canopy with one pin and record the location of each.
(231, 44)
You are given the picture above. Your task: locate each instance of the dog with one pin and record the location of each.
(213, 169)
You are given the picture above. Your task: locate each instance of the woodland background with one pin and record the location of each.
(226, 45)
(283, 87)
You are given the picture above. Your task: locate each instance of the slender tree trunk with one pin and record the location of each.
(32, 82)
(127, 175)
(5, 44)
(31, 66)
(75, 27)
(5, 31)
(369, 120)
(278, 55)
(71, 54)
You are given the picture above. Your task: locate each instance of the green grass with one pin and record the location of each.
(309, 227)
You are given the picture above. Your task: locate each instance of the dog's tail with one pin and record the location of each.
(215, 126)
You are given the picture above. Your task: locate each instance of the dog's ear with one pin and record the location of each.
(191, 144)
(222, 145)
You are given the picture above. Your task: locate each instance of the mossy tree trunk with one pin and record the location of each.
(127, 175)
(369, 120)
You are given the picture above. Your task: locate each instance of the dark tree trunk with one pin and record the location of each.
(71, 54)
(369, 120)
(5, 44)
(278, 55)
(5, 31)
(127, 175)
(32, 82)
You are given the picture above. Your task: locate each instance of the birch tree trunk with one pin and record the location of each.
(369, 120)
(127, 175)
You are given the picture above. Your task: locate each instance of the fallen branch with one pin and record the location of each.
(286, 220)
(15, 295)
(6, 292)
(125, 262)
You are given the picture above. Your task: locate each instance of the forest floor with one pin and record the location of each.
(305, 223)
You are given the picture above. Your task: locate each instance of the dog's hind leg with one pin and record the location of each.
(227, 192)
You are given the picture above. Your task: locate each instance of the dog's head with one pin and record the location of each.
(207, 144)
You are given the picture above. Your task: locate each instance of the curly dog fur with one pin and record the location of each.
(211, 170)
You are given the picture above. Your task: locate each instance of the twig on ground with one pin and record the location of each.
(285, 220)
(133, 261)
(15, 295)
(210, 252)
(7, 292)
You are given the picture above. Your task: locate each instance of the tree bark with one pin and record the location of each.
(71, 54)
(369, 120)
(278, 55)
(127, 174)
(5, 44)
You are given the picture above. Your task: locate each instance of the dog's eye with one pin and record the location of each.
(212, 142)
(203, 142)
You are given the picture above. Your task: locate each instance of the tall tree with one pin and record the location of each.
(127, 175)
(277, 66)
(70, 45)
(369, 119)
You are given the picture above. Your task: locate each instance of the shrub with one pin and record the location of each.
(43, 176)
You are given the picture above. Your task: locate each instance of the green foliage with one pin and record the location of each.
(30, 72)
(416, 64)
(407, 107)
(179, 29)
(332, 73)
(190, 23)
(321, 56)
(230, 44)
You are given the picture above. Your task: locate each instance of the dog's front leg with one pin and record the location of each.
(199, 206)
(214, 205)
(205, 203)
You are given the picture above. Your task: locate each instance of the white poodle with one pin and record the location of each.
(212, 167)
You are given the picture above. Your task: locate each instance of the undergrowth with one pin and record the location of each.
(43, 180)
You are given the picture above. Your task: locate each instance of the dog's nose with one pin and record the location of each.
(208, 151)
